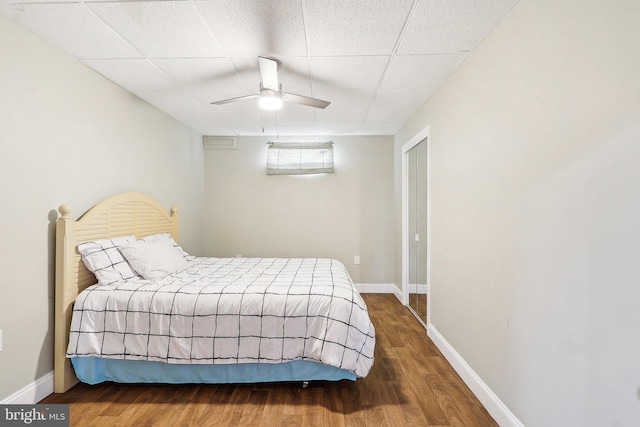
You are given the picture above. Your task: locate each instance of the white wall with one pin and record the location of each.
(535, 160)
(337, 215)
(68, 135)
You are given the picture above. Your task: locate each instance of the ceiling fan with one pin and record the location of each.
(271, 96)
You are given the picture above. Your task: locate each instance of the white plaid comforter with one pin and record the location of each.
(230, 310)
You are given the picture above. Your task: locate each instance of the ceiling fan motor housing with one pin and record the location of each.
(265, 91)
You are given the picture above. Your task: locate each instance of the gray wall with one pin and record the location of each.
(339, 215)
(535, 154)
(68, 135)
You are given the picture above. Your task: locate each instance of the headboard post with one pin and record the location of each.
(64, 376)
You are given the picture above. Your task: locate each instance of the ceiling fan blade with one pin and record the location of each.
(304, 100)
(269, 73)
(240, 98)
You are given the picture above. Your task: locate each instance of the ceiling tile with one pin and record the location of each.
(295, 130)
(375, 129)
(249, 122)
(205, 123)
(340, 129)
(339, 122)
(361, 74)
(170, 100)
(252, 28)
(133, 74)
(407, 71)
(190, 73)
(356, 27)
(389, 116)
(292, 115)
(402, 98)
(164, 29)
(72, 28)
(346, 99)
(452, 25)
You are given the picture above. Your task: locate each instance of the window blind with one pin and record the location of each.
(299, 158)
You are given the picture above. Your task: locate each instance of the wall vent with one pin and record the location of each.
(220, 142)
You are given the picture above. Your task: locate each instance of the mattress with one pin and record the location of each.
(229, 311)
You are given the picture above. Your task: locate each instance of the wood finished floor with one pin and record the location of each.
(410, 384)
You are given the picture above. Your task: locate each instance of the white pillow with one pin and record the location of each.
(166, 238)
(103, 259)
(153, 259)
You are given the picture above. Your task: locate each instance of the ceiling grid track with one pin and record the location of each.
(219, 45)
(305, 20)
(394, 51)
(375, 62)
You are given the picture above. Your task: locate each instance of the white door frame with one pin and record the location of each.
(423, 135)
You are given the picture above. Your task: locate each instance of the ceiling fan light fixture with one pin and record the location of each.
(270, 102)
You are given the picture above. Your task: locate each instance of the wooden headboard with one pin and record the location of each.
(120, 215)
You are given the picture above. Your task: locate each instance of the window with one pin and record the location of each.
(299, 158)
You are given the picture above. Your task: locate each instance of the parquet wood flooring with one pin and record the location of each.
(411, 384)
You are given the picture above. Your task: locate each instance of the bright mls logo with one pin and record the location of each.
(36, 415)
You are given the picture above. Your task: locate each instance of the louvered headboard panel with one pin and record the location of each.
(120, 215)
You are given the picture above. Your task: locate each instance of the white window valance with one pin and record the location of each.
(298, 158)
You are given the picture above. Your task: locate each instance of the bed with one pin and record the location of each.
(156, 314)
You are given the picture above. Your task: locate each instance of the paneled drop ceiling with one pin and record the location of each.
(376, 61)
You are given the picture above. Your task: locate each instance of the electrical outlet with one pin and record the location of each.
(356, 259)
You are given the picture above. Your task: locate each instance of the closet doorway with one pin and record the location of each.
(415, 279)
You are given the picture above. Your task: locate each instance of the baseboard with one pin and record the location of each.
(420, 289)
(498, 410)
(32, 393)
(379, 288)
